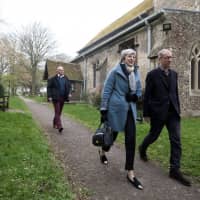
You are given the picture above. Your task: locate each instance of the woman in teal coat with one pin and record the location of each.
(122, 88)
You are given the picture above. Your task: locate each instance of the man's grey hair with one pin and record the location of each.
(126, 52)
(59, 67)
(162, 52)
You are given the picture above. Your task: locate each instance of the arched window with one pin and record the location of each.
(199, 74)
(192, 73)
(195, 68)
(94, 75)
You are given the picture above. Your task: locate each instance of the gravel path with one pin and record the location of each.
(82, 166)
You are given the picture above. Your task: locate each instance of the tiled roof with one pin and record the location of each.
(73, 71)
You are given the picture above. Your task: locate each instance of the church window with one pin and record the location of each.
(192, 73)
(94, 75)
(195, 69)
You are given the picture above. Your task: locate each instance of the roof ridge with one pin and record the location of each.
(134, 12)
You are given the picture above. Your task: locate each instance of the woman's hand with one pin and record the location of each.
(104, 115)
(131, 97)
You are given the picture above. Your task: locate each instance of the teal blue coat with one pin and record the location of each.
(116, 87)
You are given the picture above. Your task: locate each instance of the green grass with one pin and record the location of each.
(39, 99)
(17, 104)
(28, 168)
(160, 150)
(84, 113)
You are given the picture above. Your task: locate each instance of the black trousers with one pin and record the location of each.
(172, 124)
(130, 141)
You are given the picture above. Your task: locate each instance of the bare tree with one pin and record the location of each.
(61, 57)
(4, 63)
(35, 43)
(8, 60)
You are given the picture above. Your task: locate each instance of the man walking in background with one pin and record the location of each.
(162, 107)
(58, 91)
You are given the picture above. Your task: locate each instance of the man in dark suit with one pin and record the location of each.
(162, 108)
(58, 91)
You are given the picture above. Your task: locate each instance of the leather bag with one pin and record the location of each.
(103, 136)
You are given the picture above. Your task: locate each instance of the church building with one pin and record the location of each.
(149, 27)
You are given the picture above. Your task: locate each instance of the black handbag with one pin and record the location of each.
(103, 136)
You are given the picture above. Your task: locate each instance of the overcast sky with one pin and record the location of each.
(73, 23)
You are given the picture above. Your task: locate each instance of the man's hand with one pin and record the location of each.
(68, 98)
(50, 99)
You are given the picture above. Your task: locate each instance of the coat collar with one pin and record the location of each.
(60, 76)
(120, 71)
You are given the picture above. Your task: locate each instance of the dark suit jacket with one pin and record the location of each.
(53, 88)
(159, 94)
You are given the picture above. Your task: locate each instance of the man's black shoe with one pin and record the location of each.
(143, 155)
(60, 130)
(177, 175)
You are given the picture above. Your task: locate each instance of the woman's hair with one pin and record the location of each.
(125, 52)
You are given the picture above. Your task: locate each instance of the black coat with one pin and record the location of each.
(160, 94)
(53, 88)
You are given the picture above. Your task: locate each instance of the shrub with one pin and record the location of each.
(96, 100)
(92, 98)
(85, 97)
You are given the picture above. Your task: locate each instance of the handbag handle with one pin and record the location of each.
(103, 123)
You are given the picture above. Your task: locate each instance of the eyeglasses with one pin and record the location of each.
(133, 56)
(167, 57)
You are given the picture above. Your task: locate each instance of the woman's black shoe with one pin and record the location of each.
(103, 158)
(135, 182)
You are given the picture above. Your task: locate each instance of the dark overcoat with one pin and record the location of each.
(53, 88)
(159, 93)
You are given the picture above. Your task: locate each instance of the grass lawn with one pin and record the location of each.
(160, 150)
(39, 99)
(28, 168)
